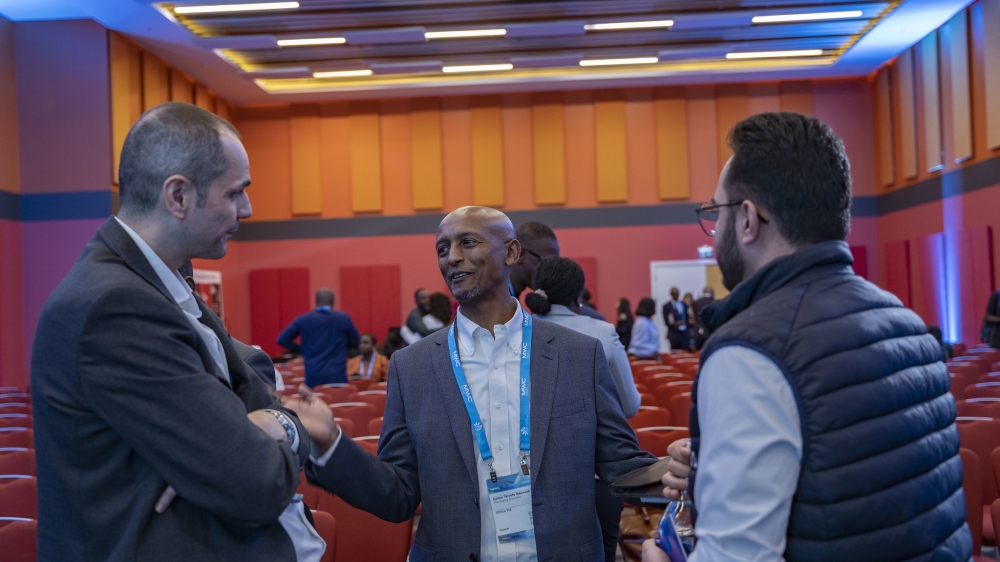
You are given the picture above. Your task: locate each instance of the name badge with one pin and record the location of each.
(510, 497)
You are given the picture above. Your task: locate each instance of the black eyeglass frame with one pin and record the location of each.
(714, 207)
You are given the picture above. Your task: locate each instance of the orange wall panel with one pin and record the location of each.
(366, 161)
(955, 89)
(763, 97)
(672, 144)
(905, 114)
(425, 146)
(931, 106)
(883, 128)
(121, 54)
(155, 81)
(456, 129)
(731, 108)
(397, 171)
(518, 152)
(9, 165)
(549, 135)
(797, 97)
(335, 160)
(203, 98)
(268, 144)
(703, 151)
(990, 49)
(640, 147)
(839, 104)
(612, 151)
(181, 88)
(581, 150)
(305, 155)
(487, 153)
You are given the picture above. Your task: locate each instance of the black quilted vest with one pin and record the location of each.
(881, 479)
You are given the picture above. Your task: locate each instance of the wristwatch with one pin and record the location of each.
(286, 423)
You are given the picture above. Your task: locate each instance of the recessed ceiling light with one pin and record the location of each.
(617, 62)
(219, 8)
(776, 54)
(465, 33)
(312, 41)
(477, 68)
(808, 17)
(342, 73)
(628, 25)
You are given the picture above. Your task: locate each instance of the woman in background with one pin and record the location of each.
(440, 313)
(369, 363)
(625, 322)
(645, 342)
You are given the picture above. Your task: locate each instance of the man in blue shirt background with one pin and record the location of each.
(326, 335)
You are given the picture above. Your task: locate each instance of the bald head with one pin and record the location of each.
(324, 297)
(476, 248)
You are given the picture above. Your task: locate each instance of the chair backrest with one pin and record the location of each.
(981, 436)
(346, 425)
(18, 539)
(18, 462)
(647, 400)
(361, 384)
(958, 385)
(15, 420)
(650, 417)
(665, 391)
(362, 537)
(333, 394)
(358, 412)
(375, 426)
(656, 439)
(18, 496)
(983, 390)
(376, 398)
(15, 398)
(326, 526)
(972, 486)
(981, 363)
(968, 371)
(15, 408)
(641, 388)
(988, 354)
(368, 443)
(680, 406)
(17, 437)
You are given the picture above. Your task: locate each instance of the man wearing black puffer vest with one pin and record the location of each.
(822, 428)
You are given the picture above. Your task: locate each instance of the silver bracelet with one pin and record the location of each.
(285, 423)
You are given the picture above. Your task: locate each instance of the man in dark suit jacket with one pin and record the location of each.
(140, 397)
(326, 335)
(427, 452)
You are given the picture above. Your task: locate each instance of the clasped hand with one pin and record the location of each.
(676, 481)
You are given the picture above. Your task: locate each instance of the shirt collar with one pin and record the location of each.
(561, 310)
(172, 280)
(324, 308)
(467, 329)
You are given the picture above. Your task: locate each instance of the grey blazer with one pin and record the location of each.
(426, 451)
(127, 400)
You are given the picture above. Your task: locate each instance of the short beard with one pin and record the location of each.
(731, 263)
(466, 295)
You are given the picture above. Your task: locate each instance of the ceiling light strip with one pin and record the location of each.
(342, 73)
(629, 25)
(776, 54)
(618, 62)
(221, 8)
(477, 68)
(312, 41)
(465, 33)
(818, 16)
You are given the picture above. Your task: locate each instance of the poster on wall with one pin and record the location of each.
(208, 285)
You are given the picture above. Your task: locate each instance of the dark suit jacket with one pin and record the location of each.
(326, 336)
(127, 400)
(258, 361)
(426, 450)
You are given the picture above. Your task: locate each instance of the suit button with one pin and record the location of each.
(475, 501)
(473, 558)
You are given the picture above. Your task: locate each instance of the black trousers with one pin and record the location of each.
(609, 512)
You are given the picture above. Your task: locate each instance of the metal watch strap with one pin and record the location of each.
(285, 423)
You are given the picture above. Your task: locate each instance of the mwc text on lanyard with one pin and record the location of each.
(470, 405)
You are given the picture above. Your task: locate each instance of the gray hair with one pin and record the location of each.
(173, 138)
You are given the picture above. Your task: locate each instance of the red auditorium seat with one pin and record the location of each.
(358, 412)
(18, 496)
(641, 388)
(368, 443)
(18, 539)
(958, 385)
(18, 462)
(680, 405)
(988, 354)
(362, 537)
(992, 376)
(656, 439)
(660, 378)
(969, 372)
(15, 408)
(648, 400)
(666, 391)
(9, 389)
(15, 398)
(17, 437)
(982, 436)
(384, 385)
(15, 420)
(983, 390)
(326, 526)
(979, 407)
(972, 486)
(346, 425)
(649, 416)
(980, 363)
(333, 393)
(958, 348)
(638, 362)
(375, 426)
(374, 397)
(361, 384)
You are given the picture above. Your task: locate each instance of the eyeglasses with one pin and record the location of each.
(708, 215)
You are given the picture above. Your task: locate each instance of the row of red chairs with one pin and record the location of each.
(981, 436)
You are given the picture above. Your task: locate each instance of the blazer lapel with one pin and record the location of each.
(233, 361)
(122, 244)
(458, 417)
(544, 368)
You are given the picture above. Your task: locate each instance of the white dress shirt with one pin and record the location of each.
(492, 364)
(749, 459)
(604, 332)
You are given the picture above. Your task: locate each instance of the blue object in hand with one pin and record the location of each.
(667, 539)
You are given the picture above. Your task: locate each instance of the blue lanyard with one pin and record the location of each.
(470, 405)
(371, 366)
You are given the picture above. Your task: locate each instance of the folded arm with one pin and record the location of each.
(286, 338)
